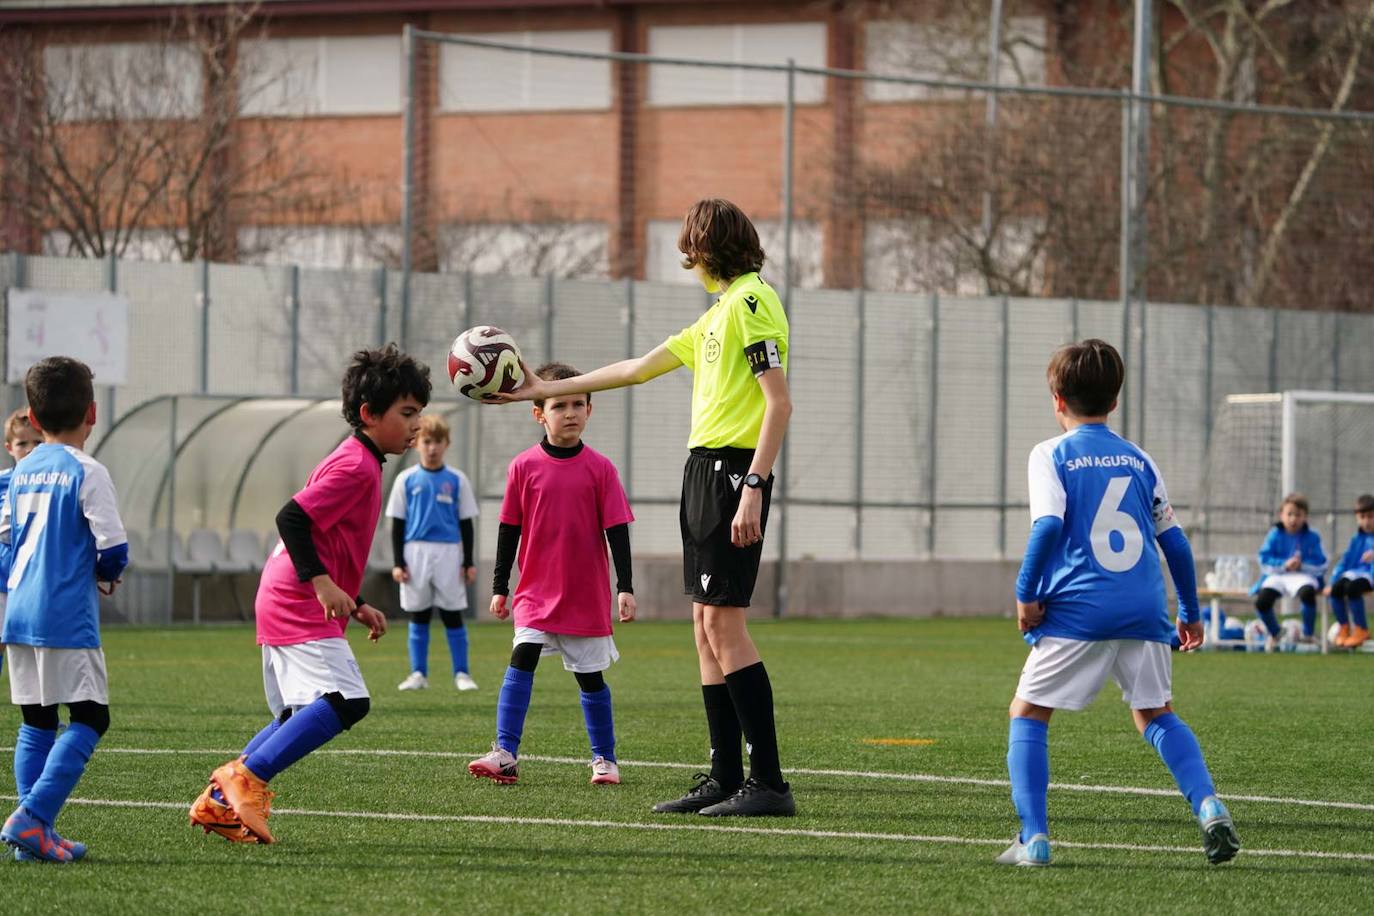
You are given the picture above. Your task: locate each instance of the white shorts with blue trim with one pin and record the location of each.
(296, 676)
(1068, 673)
(581, 654)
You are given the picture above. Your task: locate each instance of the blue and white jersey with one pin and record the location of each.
(1279, 547)
(1353, 559)
(62, 524)
(432, 503)
(1103, 580)
(5, 548)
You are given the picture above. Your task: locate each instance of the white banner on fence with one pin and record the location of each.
(90, 326)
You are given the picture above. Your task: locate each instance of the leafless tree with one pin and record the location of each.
(116, 150)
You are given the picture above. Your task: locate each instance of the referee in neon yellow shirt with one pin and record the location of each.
(737, 352)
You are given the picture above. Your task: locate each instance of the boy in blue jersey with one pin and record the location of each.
(20, 439)
(1353, 578)
(63, 526)
(431, 510)
(1292, 563)
(1090, 599)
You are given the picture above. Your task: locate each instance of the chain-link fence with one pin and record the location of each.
(915, 413)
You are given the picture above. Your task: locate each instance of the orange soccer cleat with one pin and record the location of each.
(1358, 636)
(215, 816)
(248, 796)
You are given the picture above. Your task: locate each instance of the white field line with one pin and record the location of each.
(857, 774)
(721, 828)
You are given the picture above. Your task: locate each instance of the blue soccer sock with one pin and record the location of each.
(1309, 618)
(65, 764)
(268, 731)
(1178, 748)
(596, 712)
(1271, 622)
(419, 647)
(1028, 764)
(1338, 610)
(458, 647)
(1357, 616)
(30, 755)
(307, 729)
(511, 707)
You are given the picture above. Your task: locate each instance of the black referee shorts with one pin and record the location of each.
(715, 571)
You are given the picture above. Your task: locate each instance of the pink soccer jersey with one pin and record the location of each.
(563, 507)
(343, 498)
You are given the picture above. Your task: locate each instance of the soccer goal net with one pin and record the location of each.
(1263, 446)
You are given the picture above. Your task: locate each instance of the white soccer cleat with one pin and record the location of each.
(463, 681)
(605, 772)
(414, 681)
(1034, 852)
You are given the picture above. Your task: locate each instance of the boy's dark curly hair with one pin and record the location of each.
(379, 378)
(717, 235)
(60, 391)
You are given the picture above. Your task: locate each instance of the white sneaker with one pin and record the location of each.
(415, 681)
(463, 681)
(1033, 852)
(605, 772)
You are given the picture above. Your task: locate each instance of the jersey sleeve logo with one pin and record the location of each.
(763, 356)
(753, 302)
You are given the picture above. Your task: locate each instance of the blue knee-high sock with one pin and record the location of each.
(30, 756)
(1338, 610)
(596, 712)
(268, 731)
(1357, 616)
(419, 647)
(307, 729)
(66, 762)
(511, 707)
(1028, 764)
(1178, 748)
(458, 647)
(1309, 618)
(1271, 622)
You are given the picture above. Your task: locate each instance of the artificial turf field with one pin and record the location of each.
(387, 820)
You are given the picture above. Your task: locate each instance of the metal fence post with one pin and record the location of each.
(1125, 279)
(172, 511)
(627, 461)
(932, 444)
(861, 357)
(1004, 383)
(472, 419)
(293, 304)
(548, 318)
(780, 482)
(408, 55)
(203, 300)
(111, 284)
(381, 306)
(1273, 349)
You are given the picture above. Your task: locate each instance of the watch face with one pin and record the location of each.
(753, 480)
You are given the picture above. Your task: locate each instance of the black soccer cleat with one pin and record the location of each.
(754, 799)
(708, 791)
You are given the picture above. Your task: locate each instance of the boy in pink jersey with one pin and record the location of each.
(309, 590)
(563, 505)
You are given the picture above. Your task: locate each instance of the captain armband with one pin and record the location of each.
(1163, 516)
(763, 356)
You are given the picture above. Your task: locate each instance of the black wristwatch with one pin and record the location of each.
(753, 481)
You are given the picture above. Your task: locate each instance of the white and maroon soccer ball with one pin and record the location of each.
(484, 360)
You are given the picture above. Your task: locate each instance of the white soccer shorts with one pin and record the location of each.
(42, 676)
(436, 577)
(1068, 673)
(298, 675)
(1352, 575)
(1289, 583)
(581, 654)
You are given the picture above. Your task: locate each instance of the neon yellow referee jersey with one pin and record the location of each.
(740, 337)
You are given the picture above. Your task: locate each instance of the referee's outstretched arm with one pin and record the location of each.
(658, 361)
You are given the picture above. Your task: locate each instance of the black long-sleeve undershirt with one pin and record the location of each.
(508, 542)
(293, 524)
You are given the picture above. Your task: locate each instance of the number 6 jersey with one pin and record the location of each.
(1103, 579)
(64, 532)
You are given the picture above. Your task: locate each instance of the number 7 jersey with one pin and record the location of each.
(1103, 580)
(62, 524)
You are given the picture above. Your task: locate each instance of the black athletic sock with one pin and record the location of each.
(752, 694)
(727, 763)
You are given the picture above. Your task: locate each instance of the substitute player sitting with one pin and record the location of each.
(1090, 600)
(309, 591)
(563, 505)
(62, 521)
(1292, 563)
(431, 510)
(1353, 578)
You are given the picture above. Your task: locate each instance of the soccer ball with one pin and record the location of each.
(484, 360)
